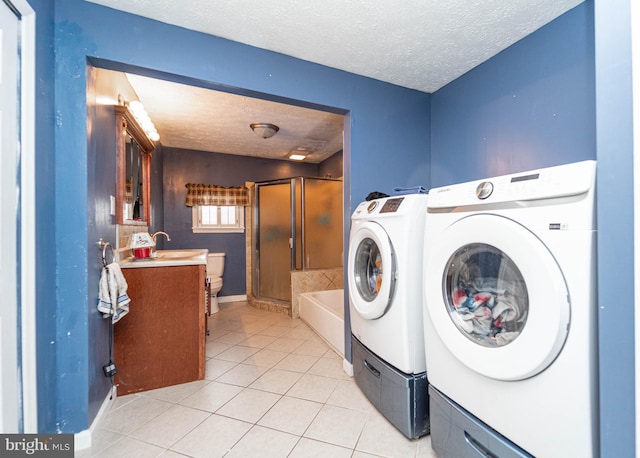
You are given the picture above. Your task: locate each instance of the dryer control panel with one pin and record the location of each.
(552, 182)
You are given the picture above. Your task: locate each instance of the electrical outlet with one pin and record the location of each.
(109, 369)
(113, 205)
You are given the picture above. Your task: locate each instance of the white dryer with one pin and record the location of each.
(510, 321)
(385, 302)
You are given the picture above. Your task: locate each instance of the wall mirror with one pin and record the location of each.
(133, 193)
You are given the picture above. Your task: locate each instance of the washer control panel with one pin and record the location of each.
(391, 205)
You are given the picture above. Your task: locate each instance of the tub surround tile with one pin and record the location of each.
(304, 281)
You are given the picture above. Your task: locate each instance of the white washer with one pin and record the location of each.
(385, 301)
(510, 321)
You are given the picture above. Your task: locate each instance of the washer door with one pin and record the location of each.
(372, 270)
(497, 297)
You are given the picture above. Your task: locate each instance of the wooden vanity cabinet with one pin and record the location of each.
(161, 341)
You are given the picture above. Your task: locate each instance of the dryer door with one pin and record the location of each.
(372, 270)
(497, 297)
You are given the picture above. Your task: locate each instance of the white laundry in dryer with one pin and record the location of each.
(510, 315)
(385, 302)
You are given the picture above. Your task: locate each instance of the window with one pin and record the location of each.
(218, 218)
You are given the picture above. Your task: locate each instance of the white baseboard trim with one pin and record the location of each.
(237, 298)
(347, 367)
(82, 440)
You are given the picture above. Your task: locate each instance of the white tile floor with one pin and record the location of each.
(272, 388)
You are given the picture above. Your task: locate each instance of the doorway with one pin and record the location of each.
(215, 120)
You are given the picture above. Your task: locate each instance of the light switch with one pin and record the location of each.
(113, 205)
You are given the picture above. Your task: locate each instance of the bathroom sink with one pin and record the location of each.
(177, 254)
(167, 258)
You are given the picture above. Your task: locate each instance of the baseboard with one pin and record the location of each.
(237, 298)
(347, 367)
(82, 440)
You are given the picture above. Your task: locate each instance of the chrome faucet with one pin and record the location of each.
(155, 234)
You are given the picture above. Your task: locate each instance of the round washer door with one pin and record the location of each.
(372, 270)
(496, 297)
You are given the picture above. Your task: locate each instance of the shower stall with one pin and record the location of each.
(298, 226)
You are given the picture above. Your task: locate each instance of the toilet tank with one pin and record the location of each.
(215, 264)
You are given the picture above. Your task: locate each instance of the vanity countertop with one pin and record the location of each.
(168, 258)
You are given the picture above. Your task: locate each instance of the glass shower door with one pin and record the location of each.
(322, 234)
(274, 239)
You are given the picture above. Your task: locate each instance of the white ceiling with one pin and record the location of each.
(419, 44)
(189, 117)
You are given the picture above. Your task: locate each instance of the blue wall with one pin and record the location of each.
(332, 166)
(531, 106)
(396, 122)
(101, 171)
(184, 166)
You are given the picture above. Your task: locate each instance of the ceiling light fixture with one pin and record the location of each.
(264, 129)
(297, 157)
(141, 115)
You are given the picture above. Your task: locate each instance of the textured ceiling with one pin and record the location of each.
(419, 44)
(205, 120)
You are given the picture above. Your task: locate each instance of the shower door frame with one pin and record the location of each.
(256, 233)
(297, 239)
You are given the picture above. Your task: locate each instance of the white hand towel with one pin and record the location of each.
(113, 300)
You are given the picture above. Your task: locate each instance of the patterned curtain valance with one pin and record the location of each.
(208, 194)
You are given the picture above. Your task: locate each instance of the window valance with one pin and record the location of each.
(208, 194)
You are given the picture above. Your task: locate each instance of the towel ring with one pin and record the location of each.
(103, 246)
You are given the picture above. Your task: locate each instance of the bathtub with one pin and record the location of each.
(323, 311)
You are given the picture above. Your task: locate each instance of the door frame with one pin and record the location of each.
(25, 268)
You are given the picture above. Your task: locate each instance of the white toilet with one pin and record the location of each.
(215, 269)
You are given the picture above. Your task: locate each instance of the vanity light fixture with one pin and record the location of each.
(264, 129)
(141, 115)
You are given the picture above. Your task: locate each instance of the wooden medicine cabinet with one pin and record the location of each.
(133, 193)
